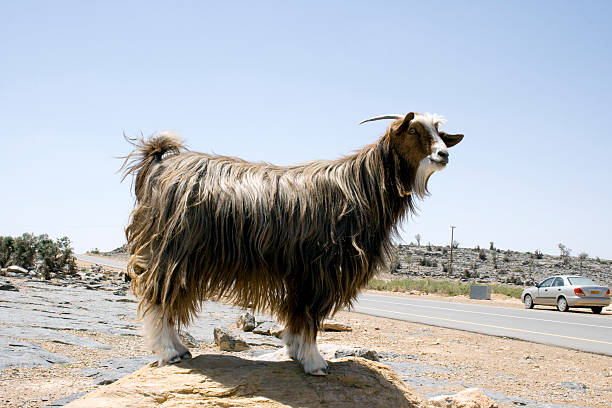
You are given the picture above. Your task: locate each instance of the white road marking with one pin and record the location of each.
(484, 325)
(483, 313)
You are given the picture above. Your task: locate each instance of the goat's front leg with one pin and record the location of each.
(303, 348)
(162, 338)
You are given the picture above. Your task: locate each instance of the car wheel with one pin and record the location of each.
(596, 309)
(528, 302)
(562, 304)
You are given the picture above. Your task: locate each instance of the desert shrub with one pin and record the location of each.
(24, 251)
(6, 249)
(422, 285)
(55, 256)
(482, 255)
(394, 262)
(94, 251)
(507, 290)
(449, 288)
(539, 254)
(41, 252)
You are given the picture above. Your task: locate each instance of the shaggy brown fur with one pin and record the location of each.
(299, 241)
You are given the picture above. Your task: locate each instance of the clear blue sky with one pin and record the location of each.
(528, 83)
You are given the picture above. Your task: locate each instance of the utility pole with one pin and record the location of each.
(450, 269)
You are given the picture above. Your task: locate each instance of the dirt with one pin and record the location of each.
(443, 360)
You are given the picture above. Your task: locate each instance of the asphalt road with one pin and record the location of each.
(102, 261)
(574, 330)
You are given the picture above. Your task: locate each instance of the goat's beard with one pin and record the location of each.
(426, 168)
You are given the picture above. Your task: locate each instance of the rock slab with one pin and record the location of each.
(229, 381)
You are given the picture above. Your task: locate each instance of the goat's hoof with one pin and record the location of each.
(320, 372)
(316, 368)
(171, 357)
(167, 361)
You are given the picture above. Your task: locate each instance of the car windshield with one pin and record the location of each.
(580, 280)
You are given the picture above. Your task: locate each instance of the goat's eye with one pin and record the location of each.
(411, 131)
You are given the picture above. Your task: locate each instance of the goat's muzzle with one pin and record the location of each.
(440, 157)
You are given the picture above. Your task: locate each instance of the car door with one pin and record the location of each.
(557, 288)
(545, 292)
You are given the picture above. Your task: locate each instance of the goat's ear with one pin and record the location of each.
(406, 121)
(450, 140)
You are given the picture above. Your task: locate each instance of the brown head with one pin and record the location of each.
(416, 139)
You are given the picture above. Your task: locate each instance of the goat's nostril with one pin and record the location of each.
(443, 154)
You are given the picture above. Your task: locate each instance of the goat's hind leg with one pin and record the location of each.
(162, 338)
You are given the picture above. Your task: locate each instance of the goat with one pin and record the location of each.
(298, 241)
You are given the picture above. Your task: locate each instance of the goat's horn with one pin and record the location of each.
(382, 117)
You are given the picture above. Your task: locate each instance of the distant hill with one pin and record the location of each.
(493, 266)
(481, 265)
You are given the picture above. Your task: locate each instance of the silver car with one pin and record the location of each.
(565, 291)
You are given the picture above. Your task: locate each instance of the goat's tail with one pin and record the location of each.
(147, 153)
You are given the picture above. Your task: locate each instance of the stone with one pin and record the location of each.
(468, 398)
(230, 381)
(332, 325)
(229, 341)
(120, 292)
(331, 351)
(264, 327)
(246, 322)
(261, 340)
(6, 285)
(187, 339)
(574, 386)
(277, 330)
(17, 269)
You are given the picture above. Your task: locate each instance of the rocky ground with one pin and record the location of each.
(62, 338)
(494, 265)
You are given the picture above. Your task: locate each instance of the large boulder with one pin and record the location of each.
(228, 340)
(246, 322)
(230, 381)
(17, 269)
(333, 325)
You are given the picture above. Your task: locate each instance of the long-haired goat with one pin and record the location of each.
(298, 241)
